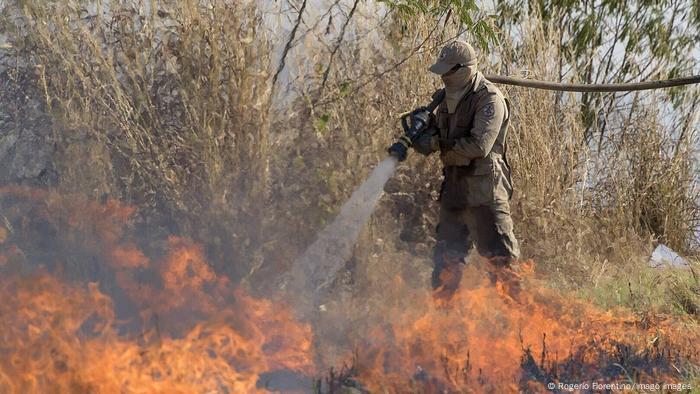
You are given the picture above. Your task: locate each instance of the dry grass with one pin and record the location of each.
(166, 110)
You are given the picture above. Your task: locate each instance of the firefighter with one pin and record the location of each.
(470, 131)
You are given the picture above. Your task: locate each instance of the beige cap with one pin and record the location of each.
(456, 52)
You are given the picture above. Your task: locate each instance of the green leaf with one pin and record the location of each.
(464, 10)
(345, 88)
(321, 124)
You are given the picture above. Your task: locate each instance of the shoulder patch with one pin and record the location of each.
(489, 110)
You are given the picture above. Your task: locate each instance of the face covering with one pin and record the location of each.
(456, 85)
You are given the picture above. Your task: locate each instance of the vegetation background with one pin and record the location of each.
(245, 125)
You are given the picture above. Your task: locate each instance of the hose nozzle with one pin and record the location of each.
(413, 124)
(399, 149)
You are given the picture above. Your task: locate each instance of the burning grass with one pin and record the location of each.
(60, 337)
(512, 337)
(153, 316)
(167, 324)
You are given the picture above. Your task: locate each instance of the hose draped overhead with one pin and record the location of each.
(582, 87)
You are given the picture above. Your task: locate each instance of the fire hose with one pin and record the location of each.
(583, 87)
(416, 121)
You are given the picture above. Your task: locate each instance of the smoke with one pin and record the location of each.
(316, 268)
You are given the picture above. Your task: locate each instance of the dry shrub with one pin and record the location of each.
(652, 179)
(589, 211)
(339, 134)
(167, 104)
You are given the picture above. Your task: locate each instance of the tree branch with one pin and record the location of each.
(337, 46)
(288, 46)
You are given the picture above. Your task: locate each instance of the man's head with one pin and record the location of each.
(456, 65)
(453, 56)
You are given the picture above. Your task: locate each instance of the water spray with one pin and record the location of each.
(315, 270)
(317, 267)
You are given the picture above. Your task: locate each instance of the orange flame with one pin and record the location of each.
(201, 334)
(172, 324)
(511, 336)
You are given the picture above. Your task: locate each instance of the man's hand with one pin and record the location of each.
(426, 143)
(429, 142)
(446, 144)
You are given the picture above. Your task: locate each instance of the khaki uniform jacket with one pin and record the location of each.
(479, 127)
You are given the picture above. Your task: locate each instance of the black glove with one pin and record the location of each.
(420, 120)
(427, 141)
(415, 125)
(446, 144)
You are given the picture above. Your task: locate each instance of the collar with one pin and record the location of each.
(479, 82)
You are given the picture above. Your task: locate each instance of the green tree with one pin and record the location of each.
(466, 13)
(611, 41)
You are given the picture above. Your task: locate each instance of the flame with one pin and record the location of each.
(197, 332)
(155, 317)
(61, 338)
(514, 335)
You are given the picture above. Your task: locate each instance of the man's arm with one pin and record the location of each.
(427, 142)
(488, 119)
